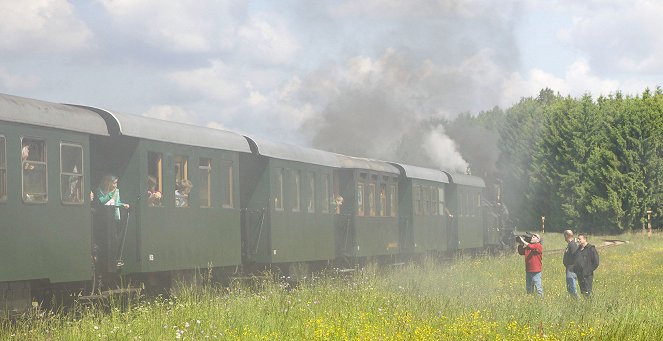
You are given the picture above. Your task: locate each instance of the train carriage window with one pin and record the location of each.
(434, 201)
(278, 189)
(478, 201)
(393, 200)
(325, 193)
(71, 173)
(426, 194)
(3, 169)
(360, 199)
(182, 183)
(371, 199)
(383, 200)
(311, 192)
(34, 170)
(205, 173)
(228, 184)
(297, 190)
(440, 195)
(416, 194)
(155, 194)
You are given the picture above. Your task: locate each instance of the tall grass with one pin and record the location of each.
(473, 298)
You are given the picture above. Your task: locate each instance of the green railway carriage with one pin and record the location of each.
(45, 234)
(464, 200)
(368, 222)
(287, 192)
(169, 227)
(424, 217)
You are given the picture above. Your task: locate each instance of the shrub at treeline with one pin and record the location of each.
(589, 164)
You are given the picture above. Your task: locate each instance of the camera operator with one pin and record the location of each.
(533, 252)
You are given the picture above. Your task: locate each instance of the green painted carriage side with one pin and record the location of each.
(366, 236)
(424, 232)
(172, 238)
(469, 217)
(49, 240)
(285, 235)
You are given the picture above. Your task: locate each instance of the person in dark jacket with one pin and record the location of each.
(587, 260)
(569, 261)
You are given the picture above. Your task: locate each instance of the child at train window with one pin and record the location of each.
(182, 193)
(153, 194)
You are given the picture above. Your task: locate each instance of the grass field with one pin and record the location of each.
(474, 298)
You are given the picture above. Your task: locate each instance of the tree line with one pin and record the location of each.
(587, 164)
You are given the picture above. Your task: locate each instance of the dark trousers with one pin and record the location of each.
(586, 284)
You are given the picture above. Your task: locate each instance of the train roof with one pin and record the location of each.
(291, 152)
(464, 179)
(173, 132)
(369, 164)
(422, 173)
(52, 115)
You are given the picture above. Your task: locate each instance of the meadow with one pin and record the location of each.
(480, 297)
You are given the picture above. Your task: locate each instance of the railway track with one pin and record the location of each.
(604, 243)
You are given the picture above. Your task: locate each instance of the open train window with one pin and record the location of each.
(71, 173)
(425, 193)
(296, 191)
(311, 192)
(434, 201)
(182, 183)
(278, 189)
(34, 170)
(205, 173)
(154, 179)
(360, 199)
(440, 203)
(325, 193)
(383, 200)
(3, 169)
(416, 194)
(228, 184)
(393, 200)
(371, 199)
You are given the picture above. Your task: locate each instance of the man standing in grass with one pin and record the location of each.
(533, 252)
(569, 261)
(587, 260)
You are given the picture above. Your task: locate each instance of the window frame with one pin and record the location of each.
(44, 162)
(158, 158)
(311, 192)
(297, 193)
(228, 174)
(181, 163)
(202, 170)
(326, 185)
(278, 191)
(393, 200)
(80, 174)
(360, 199)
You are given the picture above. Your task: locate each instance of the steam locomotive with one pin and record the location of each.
(250, 204)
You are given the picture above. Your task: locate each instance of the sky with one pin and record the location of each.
(325, 73)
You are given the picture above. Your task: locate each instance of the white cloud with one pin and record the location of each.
(217, 82)
(578, 80)
(41, 25)
(170, 113)
(177, 25)
(266, 39)
(622, 36)
(15, 82)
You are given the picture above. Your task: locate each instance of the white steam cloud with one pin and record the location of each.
(442, 151)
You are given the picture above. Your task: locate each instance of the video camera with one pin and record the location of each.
(526, 237)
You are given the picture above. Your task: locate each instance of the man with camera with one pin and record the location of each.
(532, 249)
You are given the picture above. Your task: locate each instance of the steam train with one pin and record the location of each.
(250, 204)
